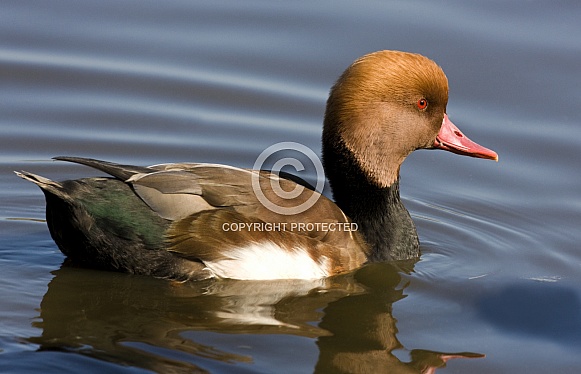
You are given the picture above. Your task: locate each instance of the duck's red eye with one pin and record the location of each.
(422, 104)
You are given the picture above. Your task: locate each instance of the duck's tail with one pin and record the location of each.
(45, 184)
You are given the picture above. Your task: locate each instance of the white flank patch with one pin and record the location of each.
(268, 261)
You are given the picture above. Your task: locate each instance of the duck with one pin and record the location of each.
(196, 221)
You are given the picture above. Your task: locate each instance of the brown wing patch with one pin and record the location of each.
(206, 236)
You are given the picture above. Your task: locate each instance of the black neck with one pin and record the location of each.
(379, 213)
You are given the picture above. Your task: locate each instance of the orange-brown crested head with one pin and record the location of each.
(384, 106)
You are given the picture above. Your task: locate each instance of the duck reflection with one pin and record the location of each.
(147, 323)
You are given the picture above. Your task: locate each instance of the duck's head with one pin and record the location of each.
(386, 105)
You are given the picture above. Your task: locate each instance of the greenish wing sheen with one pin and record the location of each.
(115, 206)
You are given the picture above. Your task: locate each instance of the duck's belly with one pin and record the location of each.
(267, 260)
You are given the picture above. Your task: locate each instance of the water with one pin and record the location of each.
(219, 81)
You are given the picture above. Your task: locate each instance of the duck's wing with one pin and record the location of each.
(176, 191)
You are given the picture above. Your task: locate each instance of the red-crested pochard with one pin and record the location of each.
(195, 221)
